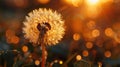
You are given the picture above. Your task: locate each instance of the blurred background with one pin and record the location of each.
(92, 36)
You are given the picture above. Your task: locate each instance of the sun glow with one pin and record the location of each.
(92, 2)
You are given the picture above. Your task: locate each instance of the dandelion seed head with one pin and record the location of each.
(40, 16)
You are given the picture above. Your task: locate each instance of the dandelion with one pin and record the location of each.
(43, 16)
(44, 27)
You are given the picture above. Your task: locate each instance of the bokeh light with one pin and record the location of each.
(91, 24)
(116, 27)
(89, 45)
(15, 40)
(107, 54)
(78, 57)
(37, 62)
(95, 33)
(117, 38)
(60, 62)
(25, 48)
(109, 32)
(55, 61)
(76, 36)
(11, 37)
(85, 53)
(87, 34)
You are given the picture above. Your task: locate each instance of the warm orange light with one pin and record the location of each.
(109, 32)
(15, 40)
(60, 62)
(77, 25)
(11, 38)
(93, 8)
(37, 62)
(117, 38)
(24, 48)
(78, 57)
(75, 3)
(89, 45)
(43, 1)
(91, 24)
(107, 54)
(93, 12)
(76, 36)
(92, 2)
(95, 33)
(85, 53)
